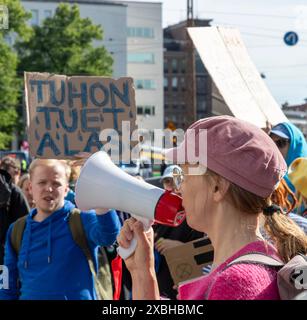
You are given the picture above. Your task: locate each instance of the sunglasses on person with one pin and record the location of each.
(178, 175)
(281, 143)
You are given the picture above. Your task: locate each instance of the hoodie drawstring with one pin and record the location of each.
(49, 242)
(26, 262)
(28, 246)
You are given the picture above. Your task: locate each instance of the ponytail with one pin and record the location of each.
(289, 238)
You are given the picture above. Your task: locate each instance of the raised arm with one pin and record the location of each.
(141, 263)
(101, 229)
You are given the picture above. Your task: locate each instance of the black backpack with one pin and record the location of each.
(5, 197)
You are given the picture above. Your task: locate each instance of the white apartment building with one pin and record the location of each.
(133, 34)
(145, 61)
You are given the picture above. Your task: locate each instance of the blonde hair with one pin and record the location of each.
(74, 171)
(47, 163)
(23, 179)
(288, 237)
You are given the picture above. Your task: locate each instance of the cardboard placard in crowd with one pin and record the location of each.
(66, 115)
(187, 261)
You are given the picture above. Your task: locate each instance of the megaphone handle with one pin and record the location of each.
(126, 253)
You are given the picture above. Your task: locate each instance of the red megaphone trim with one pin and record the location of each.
(169, 210)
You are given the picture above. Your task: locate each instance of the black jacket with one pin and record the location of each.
(13, 205)
(181, 233)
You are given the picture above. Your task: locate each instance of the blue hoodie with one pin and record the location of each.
(50, 265)
(297, 148)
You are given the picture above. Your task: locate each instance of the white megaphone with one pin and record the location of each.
(102, 184)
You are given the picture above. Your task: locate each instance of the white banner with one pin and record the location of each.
(226, 58)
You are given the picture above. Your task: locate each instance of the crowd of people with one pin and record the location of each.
(249, 196)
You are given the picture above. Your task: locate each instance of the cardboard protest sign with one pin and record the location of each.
(226, 58)
(66, 115)
(187, 260)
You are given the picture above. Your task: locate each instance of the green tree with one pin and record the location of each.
(63, 44)
(9, 82)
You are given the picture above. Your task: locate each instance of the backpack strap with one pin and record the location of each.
(252, 258)
(257, 258)
(17, 233)
(103, 274)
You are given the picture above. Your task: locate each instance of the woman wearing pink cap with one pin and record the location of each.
(227, 183)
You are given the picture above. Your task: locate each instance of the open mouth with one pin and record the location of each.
(49, 199)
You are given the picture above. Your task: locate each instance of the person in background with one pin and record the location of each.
(74, 175)
(225, 192)
(13, 203)
(12, 166)
(70, 196)
(298, 176)
(24, 185)
(290, 142)
(288, 202)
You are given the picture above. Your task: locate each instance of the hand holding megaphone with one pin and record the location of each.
(102, 184)
(127, 252)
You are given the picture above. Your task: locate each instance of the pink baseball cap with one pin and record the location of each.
(235, 149)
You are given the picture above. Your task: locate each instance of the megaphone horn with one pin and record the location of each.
(102, 184)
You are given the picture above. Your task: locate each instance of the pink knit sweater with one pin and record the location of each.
(238, 282)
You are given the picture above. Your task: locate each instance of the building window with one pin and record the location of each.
(175, 65)
(141, 57)
(182, 83)
(146, 84)
(201, 104)
(165, 83)
(175, 83)
(34, 19)
(47, 14)
(146, 110)
(139, 110)
(183, 66)
(140, 32)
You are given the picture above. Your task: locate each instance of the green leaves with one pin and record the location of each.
(62, 44)
(17, 19)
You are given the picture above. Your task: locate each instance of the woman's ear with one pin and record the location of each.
(220, 188)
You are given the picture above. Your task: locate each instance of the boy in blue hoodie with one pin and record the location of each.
(50, 265)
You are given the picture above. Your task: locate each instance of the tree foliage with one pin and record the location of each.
(9, 81)
(62, 44)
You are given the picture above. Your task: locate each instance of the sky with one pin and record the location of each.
(263, 24)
